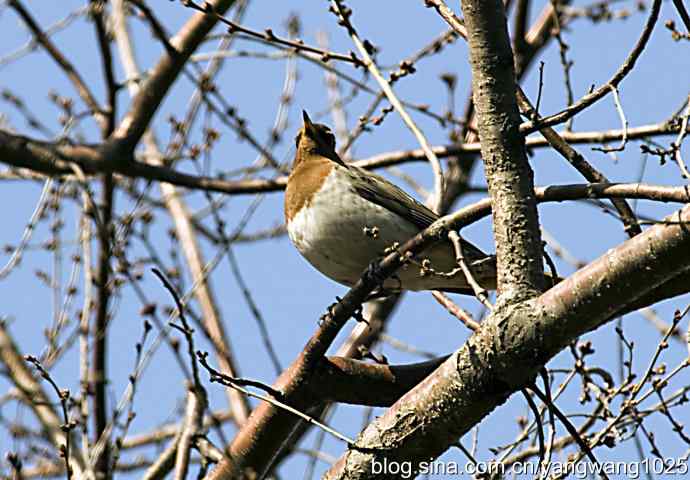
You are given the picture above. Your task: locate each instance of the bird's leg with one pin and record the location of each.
(373, 273)
(357, 315)
(329, 311)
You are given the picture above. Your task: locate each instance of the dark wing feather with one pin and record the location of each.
(380, 191)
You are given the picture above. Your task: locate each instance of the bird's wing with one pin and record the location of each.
(380, 191)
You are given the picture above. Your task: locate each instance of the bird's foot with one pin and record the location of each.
(330, 311)
(373, 274)
(357, 315)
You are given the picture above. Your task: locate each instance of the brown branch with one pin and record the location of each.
(165, 462)
(605, 89)
(156, 27)
(71, 72)
(559, 193)
(580, 163)
(344, 380)
(522, 8)
(97, 8)
(683, 13)
(163, 75)
(99, 372)
(456, 311)
(537, 37)
(511, 347)
(52, 158)
(507, 171)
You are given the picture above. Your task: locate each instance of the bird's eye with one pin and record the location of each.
(330, 139)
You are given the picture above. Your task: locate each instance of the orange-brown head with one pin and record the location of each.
(314, 139)
(314, 160)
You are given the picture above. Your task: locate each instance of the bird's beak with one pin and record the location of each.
(308, 126)
(305, 117)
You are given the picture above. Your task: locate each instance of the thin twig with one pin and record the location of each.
(68, 425)
(614, 81)
(455, 310)
(344, 14)
(186, 330)
(272, 398)
(540, 426)
(571, 429)
(624, 123)
(679, 141)
(479, 291)
(268, 35)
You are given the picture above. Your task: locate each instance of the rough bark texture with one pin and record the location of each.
(509, 176)
(511, 347)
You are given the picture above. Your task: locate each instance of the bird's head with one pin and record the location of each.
(315, 139)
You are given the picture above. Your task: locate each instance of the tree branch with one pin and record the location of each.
(164, 74)
(82, 89)
(508, 174)
(511, 347)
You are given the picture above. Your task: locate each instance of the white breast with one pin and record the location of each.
(330, 232)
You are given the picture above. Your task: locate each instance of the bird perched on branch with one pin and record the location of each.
(341, 218)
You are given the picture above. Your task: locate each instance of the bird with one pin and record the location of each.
(342, 218)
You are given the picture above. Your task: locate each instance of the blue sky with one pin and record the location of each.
(292, 295)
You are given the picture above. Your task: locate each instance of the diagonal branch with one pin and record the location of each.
(683, 13)
(71, 72)
(164, 74)
(581, 165)
(605, 89)
(512, 345)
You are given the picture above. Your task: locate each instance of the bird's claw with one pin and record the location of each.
(357, 315)
(373, 274)
(330, 311)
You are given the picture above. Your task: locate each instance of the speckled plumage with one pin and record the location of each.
(341, 218)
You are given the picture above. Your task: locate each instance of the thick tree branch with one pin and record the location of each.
(344, 380)
(508, 174)
(53, 158)
(511, 347)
